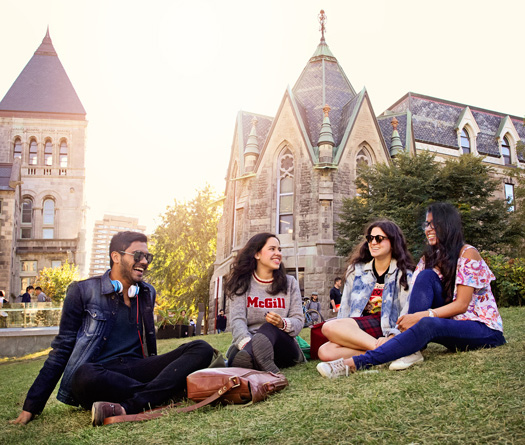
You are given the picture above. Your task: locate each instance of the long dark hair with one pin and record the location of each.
(445, 253)
(400, 253)
(238, 280)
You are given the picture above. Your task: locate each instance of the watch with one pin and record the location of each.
(431, 313)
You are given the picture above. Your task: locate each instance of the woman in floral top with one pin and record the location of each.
(451, 302)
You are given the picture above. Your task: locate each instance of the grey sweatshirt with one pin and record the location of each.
(247, 311)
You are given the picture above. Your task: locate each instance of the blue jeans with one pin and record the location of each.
(453, 334)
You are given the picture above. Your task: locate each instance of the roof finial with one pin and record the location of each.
(326, 110)
(394, 123)
(322, 21)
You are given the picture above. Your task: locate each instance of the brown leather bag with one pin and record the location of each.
(233, 385)
(217, 385)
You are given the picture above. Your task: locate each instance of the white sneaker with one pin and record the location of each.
(333, 369)
(406, 362)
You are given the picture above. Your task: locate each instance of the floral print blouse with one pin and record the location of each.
(474, 274)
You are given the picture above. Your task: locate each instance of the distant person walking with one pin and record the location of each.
(335, 295)
(221, 322)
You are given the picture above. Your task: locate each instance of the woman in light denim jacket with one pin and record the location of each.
(375, 294)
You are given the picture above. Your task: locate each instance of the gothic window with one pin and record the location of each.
(285, 193)
(465, 141)
(505, 151)
(33, 152)
(363, 157)
(63, 154)
(48, 153)
(17, 152)
(26, 227)
(48, 229)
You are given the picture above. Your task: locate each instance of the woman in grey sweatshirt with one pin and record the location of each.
(265, 310)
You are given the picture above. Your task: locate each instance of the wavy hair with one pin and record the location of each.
(238, 279)
(445, 253)
(400, 253)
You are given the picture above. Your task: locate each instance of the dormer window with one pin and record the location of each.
(465, 141)
(505, 151)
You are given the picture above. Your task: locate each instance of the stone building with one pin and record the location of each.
(102, 234)
(288, 174)
(450, 129)
(42, 140)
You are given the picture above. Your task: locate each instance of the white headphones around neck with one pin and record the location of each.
(133, 290)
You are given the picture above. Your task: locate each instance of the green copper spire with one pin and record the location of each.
(326, 139)
(395, 145)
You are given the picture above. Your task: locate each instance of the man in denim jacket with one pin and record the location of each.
(106, 345)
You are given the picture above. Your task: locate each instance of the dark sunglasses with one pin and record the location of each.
(378, 238)
(138, 256)
(427, 224)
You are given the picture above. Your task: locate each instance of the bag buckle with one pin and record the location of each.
(235, 380)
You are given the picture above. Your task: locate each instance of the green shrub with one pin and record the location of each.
(509, 286)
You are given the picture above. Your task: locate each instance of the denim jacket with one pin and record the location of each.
(358, 289)
(88, 317)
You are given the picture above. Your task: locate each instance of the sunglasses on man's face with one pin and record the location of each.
(138, 256)
(378, 238)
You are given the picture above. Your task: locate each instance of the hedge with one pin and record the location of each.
(509, 286)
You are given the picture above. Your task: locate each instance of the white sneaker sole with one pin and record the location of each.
(400, 364)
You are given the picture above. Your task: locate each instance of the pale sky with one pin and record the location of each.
(162, 81)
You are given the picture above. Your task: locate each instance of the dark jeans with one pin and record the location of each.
(285, 348)
(453, 334)
(142, 383)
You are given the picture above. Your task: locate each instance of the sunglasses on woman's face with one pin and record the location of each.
(428, 225)
(378, 238)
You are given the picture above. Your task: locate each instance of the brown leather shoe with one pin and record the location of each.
(101, 410)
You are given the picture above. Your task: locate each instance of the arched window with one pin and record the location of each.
(17, 152)
(63, 154)
(26, 228)
(48, 229)
(33, 152)
(285, 193)
(465, 141)
(505, 151)
(363, 156)
(48, 153)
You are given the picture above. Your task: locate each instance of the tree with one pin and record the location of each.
(184, 245)
(402, 191)
(55, 281)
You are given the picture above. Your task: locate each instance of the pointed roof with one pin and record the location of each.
(435, 121)
(323, 81)
(43, 87)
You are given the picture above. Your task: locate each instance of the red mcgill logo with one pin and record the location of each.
(269, 303)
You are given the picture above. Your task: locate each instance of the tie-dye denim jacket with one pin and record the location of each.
(358, 288)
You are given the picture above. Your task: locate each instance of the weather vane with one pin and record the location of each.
(322, 21)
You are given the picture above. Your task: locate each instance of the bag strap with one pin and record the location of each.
(233, 382)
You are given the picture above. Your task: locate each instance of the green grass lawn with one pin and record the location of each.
(472, 397)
